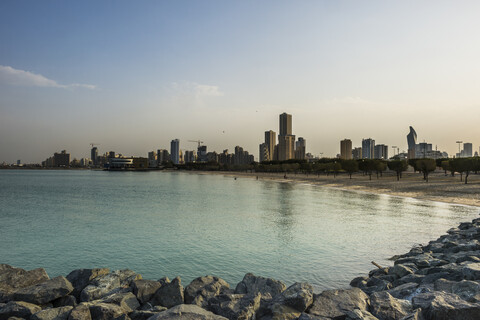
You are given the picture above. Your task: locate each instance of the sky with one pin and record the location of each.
(133, 75)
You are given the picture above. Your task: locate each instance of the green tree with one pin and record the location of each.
(398, 166)
(380, 166)
(426, 166)
(445, 164)
(464, 165)
(350, 166)
(367, 166)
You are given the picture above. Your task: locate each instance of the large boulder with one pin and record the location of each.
(80, 312)
(400, 270)
(126, 300)
(106, 311)
(61, 313)
(335, 303)
(186, 312)
(102, 286)
(298, 296)
(386, 307)
(471, 270)
(438, 305)
(404, 290)
(358, 314)
(18, 309)
(12, 278)
(252, 284)
(169, 295)
(80, 278)
(44, 292)
(235, 306)
(201, 289)
(145, 289)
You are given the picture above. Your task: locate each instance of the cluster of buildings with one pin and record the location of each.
(368, 150)
(287, 148)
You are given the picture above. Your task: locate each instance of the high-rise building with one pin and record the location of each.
(368, 147)
(152, 159)
(381, 152)
(202, 154)
(94, 155)
(357, 153)
(270, 143)
(467, 149)
(162, 156)
(175, 151)
(263, 154)
(285, 124)
(346, 149)
(61, 159)
(189, 156)
(412, 142)
(300, 147)
(286, 141)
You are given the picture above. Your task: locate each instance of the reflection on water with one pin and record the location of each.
(169, 224)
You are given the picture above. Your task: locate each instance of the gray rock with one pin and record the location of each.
(386, 307)
(417, 278)
(400, 270)
(186, 312)
(44, 292)
(445, 306)
(18, 309)
(375, 284)
(467, 290)
(80, 312)
(415, 315)
(67, 301)
(61, 313)
(100, 287)
(335, 303)
(358, 314)
(359, 282)
(283, 312)
(306, 316)
(404, 290)
(126, 300)
(80, 278)
(145, 289)
(169, 295)
(471, 270)
(252, 284)
(298, 296)
(443, 285)
(378, 272)
(142, 314)
(235, 306)
(12, 278)
(201, 289)
(105, 311)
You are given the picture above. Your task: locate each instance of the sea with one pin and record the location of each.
(172, 224)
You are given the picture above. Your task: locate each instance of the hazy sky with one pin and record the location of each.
(133, 75)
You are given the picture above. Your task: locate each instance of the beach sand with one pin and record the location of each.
(439, 187)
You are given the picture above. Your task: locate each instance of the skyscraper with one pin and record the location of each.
(412, 142)
(175, 151)
(270, 142)
(381, 151)
(263, 154)
(94, 155)
(300, 147)
(467, 149)
(368, 147)
(286, 141)
(346, 149)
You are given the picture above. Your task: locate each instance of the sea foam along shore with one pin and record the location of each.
(440, 280)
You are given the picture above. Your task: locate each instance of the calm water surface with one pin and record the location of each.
(168, 224)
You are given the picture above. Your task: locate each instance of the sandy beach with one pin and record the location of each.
(439, 187)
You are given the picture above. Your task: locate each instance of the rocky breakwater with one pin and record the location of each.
(440, 280)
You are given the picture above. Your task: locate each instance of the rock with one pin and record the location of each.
(100, 287)
(142, 314)
(80, 312)
(252, 284)
(386, 307)
(80, 278)
(44, 292)
(471, 270)
(186, 312)
(201, 289)
(145, 289)
(169, 295)
(126, 277)
(404, 290)
(283, 312)
(445, 306)
(12, 278)
(298, 296)
(335, 303)
(358, 314)
(467, 290)
(18, 309)
(126, 300)
(400, 270)
(415, 315)
(375, 284)
(443, 285)
(235, 306)
(105, 311)
(61, 313)
(359, 282)
(65, 301)
(378, 272)
(417, 278)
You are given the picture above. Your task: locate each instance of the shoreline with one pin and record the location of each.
(440, 188)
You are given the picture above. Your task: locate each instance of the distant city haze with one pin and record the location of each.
(131, 77)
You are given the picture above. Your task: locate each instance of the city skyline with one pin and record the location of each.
(132, 77)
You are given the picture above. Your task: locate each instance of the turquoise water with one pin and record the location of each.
(168, 224)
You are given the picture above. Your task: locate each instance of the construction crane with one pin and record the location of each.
(94, 144)
(197, 141)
